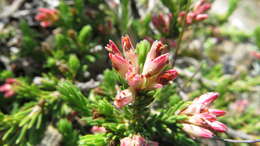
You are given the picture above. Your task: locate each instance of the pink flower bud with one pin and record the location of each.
(199, 4)
(156, 65)
(112, 47)
(119, 63)
(203, 117)
(137, 140)
(201, 17)
(182, 14)
(7, 88)
(189, 18)
(255, 54)
(97, 129)
(218, 126)
(10, 80)
(9, 94)
(155, 51)
(123, 98)
(207, 98)
(202, 7)
(162, 22)
(129, 52)
(47, 16)
(167, 76)
(196, 131)
(217, 112)
(134, 80)
(126, 43)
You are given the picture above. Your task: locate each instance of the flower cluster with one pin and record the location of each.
(151, 76)
(201, 119)
(255, 54)
(162, 22)
(47, 17)
(98, 129)
(137, 140)
(7, 88)
(198, 13)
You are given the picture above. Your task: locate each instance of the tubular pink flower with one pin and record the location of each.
(155, 51)
(129, 52)
(200, 119)
(7, 88)
(207, 98)
(119, 63)
(156, 65)
(201, 17)
(123, 98)
(189, 18)
(196, 131)
(167, 76)
(134, 80)
(47, 17)
(126, 43)
(10, 80)
(218, 126)
(98, 129)
(9, 94)
(162, 22)
(112, 47)
(255, 54)
(217, 112)
(198, 13)
(137, 140)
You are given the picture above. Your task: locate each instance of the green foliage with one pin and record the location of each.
(73, 64)
(5, 74)
(142, 49)
(22, 123)
(110, 80)
(257, 36)
(66, 17)
(74, 97)
(29, 41)
(232, 5)
(85, 34)
(93, 140)
(70, 136)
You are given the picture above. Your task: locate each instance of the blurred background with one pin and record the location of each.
(220, 54)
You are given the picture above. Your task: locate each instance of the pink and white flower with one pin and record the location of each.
(7, 88)
(202, 121)
(47, 17)
(198, 13)
(162, 22)
(123, 98)
(151, 76)
(98, 129)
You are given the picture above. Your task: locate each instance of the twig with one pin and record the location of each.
(237, 141)
(191, 78)
(179, 43)
(239, 134)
